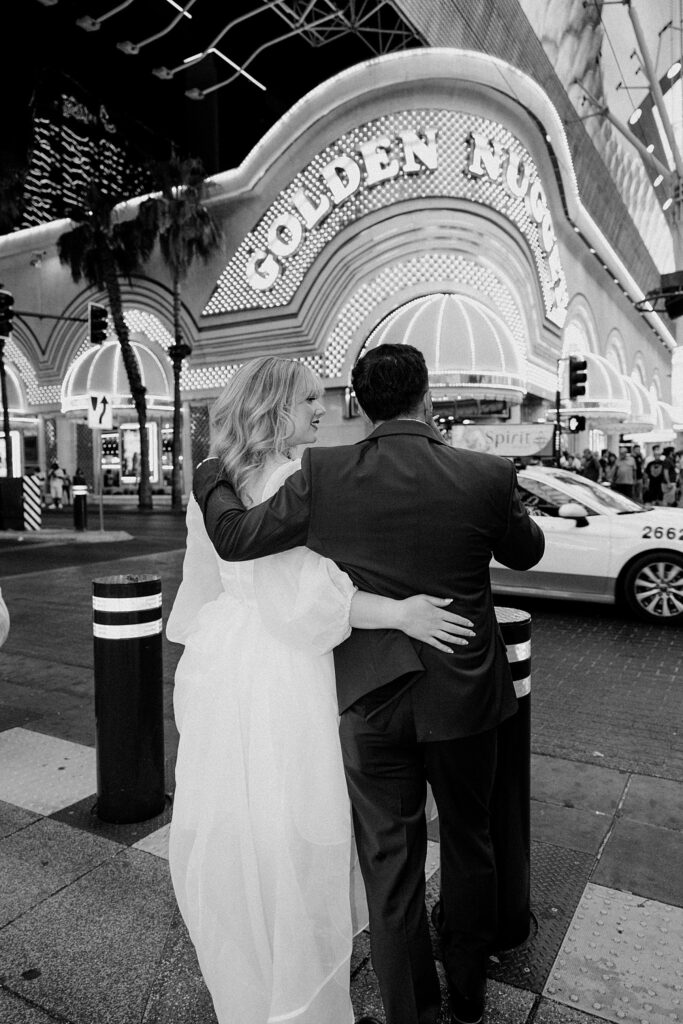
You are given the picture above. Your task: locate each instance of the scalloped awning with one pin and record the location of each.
(101, 370)
(468, 348)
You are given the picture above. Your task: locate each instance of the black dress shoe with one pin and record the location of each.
(466, 1009)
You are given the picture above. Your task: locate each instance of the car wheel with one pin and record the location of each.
(653, 587)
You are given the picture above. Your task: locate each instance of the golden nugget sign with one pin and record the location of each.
(378, 160)
(404, 156)
(489, 158)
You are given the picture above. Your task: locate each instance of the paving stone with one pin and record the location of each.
(568, 826)
(654, 801)
(558, 880)
(576, 784)
(360, 953)
(643, 859)
(43, 773)
(83, 815)
(179, 994)
(622, 959)
(12, 818)
(506, 1005)
(42, 858)
(156, 842)
(549, 1012)
(11, 717)
(17, 1011)
(91, 952)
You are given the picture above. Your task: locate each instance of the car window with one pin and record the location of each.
(578, 488)
(540, 498)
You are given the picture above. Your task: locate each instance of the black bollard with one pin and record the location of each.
(128, 698)
(511, 804)
(80, 497)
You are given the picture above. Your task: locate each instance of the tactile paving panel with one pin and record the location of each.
(622, 959)
(558, 880)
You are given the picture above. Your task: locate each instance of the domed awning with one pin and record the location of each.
(643, 414)
(468, 348)
(101, 371)
(606, 401)
(16, 403)
(668, 420)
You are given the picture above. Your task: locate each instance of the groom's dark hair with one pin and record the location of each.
(390, 381)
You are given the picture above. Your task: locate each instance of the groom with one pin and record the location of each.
(404, 513)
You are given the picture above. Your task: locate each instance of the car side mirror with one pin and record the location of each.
(573, 510)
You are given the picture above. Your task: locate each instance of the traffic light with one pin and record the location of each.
(575, 424)
(672, 291)
(577, 376)
(6, 313)
(97, 323)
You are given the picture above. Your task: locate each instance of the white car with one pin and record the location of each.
(599, 546)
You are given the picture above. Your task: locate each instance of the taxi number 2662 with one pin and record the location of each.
(658, 532)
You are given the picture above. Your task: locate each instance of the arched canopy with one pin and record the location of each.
(606, 399)
(100, 370)
(643, 414)
(16, 403)
(467, 346)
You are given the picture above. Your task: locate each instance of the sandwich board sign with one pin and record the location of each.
(100, 412)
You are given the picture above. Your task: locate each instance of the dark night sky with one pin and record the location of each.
(53, 54)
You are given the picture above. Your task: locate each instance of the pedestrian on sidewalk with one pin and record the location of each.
(55, 480)
(261, 847)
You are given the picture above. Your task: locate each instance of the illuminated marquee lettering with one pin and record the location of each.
(493, 155)
(380, 159)
(488, 158)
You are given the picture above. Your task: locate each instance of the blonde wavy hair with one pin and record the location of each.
(253, 416)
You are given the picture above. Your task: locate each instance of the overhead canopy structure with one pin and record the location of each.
(101, 371)
(607, 401)
(469, 350)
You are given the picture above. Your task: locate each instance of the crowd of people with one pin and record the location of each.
(653, 479)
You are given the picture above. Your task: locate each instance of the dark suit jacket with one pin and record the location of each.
(403, 513)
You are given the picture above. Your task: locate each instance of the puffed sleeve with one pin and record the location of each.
(201, 581)
(304, 599)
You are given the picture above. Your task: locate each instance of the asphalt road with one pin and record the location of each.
(150, 532)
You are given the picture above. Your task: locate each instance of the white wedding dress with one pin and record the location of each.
(261, 852)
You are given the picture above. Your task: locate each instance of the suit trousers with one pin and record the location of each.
(387, 771)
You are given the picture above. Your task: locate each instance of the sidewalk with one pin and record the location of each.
(89, 932)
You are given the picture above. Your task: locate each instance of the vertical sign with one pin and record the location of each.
(100, 413)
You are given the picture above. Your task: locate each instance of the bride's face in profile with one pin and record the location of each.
(306, 416)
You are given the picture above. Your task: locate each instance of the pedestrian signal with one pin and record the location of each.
(577, 376)
(97, 323)
(6, 313)
(575, 424)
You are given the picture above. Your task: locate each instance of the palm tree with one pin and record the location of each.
(186, 231)
(11, 207)
(98, 250)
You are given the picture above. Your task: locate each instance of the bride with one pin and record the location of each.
(261, 852)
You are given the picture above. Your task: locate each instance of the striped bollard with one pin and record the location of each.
(511, 804)
(31, 500)
(128, 698)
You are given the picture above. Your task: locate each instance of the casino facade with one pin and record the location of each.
(427, 197)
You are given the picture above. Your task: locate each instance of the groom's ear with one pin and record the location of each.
(428, 406)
